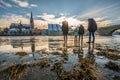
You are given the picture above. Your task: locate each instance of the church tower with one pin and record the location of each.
(31, 21)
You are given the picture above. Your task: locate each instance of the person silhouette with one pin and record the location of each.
(92, 27)
(65, 30)
(81, 33)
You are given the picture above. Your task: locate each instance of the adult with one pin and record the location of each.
(65, 30)
(92, 27)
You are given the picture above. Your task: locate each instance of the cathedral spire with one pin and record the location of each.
(31, 21)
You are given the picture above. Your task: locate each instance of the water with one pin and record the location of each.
(34, 46)
(14, 44)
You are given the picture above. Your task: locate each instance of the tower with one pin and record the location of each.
(31, 21)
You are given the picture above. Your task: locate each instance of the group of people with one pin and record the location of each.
(79, 31)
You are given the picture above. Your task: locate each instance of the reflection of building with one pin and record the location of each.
(54, 30)
(22, 43)
(54, 43)
(19, 43)
(19, 28)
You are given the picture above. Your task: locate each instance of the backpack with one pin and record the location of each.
(81, 30)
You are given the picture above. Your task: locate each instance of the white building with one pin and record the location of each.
(54, 30)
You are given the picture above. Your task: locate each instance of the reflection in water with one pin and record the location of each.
(64, 51)
(90, 55)
(75, 41)
(17, 43)
(80, 56)
(22, 43)
(90, 48)
(32, 41)
(53, 43)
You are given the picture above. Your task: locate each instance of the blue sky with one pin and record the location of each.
(105, 12)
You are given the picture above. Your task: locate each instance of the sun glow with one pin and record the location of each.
(74, 22)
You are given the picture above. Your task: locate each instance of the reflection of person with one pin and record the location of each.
(81, 33)
(75, 33)
(92, 27)
(90, 54)
(91, 49)
(65, 30)
(32, 40)
(65, 55)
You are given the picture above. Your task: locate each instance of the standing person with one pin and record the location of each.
(92, 27)
(65, 30)
(81, 33)
(75, 33)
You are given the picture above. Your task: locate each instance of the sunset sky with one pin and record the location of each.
(105, 12)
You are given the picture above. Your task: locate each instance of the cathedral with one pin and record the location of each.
(17, 28)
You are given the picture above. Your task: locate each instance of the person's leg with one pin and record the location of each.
(89, 37)
(81, 42)
(93, 35)
(75, 41)
(66, 39)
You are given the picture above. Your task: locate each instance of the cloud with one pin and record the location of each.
(104, 23)
(62, 14)
(118, 18)
(2, 7)
(97, 12)
(33, 5)
(47, 17)
(5, 21)
(101, 22)
(5, 3)
(24, 3)
(50, 18)
(100, 18)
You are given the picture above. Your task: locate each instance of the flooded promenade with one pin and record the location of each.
(46, 58)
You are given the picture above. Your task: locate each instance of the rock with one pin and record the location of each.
(116, 77)
(113, 66)
(21, 53)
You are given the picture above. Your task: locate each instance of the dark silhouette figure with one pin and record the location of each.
(92, 27)
(65, 30)
(81, 33)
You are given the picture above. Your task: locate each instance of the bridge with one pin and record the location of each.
(107, 31)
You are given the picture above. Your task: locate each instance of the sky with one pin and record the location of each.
(105, 12)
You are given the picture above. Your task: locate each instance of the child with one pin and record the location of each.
(81, 33)
(75, 33)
